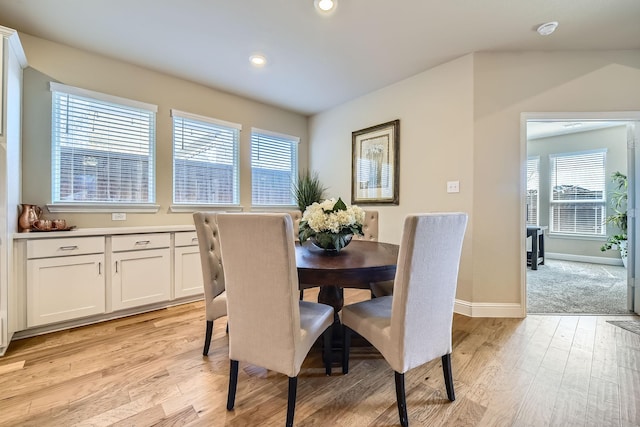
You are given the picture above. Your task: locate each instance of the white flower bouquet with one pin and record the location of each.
(331, 224)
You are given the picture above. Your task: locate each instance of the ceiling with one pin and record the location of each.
(537, 129)
(316, 62)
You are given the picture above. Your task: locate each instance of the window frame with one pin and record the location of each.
(295, 142)
(55, 206)
(191, 207)
(600, 203)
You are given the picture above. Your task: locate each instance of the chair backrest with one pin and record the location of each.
(296, 217)
(210, 257)
(425, 287)
(259, 258)
(369, 227)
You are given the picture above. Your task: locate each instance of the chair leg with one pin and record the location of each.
(301, 294)
(291, 403)
(207, 337)
(402, 400)
(346, 344)
(448, 376)
(327, 350)
(233, 383)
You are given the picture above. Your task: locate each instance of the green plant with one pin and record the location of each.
(619, 217)
(308, 190)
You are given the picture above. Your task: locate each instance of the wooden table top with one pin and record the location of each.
(355, 266)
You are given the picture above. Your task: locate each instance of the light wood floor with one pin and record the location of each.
(148, 370)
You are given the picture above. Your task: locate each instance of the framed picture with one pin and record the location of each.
(374, 167)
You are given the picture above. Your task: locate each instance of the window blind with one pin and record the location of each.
(274, 166)
(103, 148)
(205, 160)
(578, 196)
(533, 189)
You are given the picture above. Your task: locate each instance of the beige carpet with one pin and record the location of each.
(577, 288)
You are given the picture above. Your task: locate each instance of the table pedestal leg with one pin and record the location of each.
(333, 296)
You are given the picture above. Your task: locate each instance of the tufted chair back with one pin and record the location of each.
(369, 228)
(296, 216)
(212, 272)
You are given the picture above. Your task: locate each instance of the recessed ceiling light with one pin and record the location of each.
(325, 6)
(548, 28)
(258, 60)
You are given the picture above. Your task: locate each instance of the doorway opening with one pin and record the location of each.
(571, 164)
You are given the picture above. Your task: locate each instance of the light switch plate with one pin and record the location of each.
(118, 216)
(453, 186)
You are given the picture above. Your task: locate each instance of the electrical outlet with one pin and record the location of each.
(453, 186)
(118, 216)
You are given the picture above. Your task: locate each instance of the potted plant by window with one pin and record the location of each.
(619, 218)
(308, 190)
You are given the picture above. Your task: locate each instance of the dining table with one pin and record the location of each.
(355, 266)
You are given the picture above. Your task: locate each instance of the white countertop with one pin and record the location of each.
(107, 231)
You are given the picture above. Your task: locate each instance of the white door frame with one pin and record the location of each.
(623, 116)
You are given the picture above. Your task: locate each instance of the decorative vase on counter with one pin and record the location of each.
(28, 215)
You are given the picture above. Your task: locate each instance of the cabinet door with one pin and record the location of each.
(64, 288)
(140, 277)
(188, 272)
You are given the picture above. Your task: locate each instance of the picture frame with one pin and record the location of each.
(375, 164)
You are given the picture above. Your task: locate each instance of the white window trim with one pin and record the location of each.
(105, 207)
(578, 236)
(185, 115)
(184, 208)
(102, 207)
(295, 140)
(188, 207)
(72, 90)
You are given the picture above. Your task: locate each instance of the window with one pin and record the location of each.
(205, 160)
(274, 168)
(103, 149)
(533, 190)
(578, 203)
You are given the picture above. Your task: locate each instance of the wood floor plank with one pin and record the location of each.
(603, 404)
(629, 381)
(149, 370)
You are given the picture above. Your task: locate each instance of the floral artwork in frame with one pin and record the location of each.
(375, 173)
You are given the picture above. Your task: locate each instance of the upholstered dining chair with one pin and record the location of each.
(215, 297)
(268, 325)
(413, 326)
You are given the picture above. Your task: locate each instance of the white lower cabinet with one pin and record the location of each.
(65, 280)
(188, 270)
(96, 276)
(140, 270)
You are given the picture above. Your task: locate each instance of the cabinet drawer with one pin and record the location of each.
(134, 242)
(186, 238)
(63, 247)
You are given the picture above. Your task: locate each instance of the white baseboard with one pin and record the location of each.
(584, 258)
(488, 309)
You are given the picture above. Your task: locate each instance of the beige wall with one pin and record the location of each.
(461, 121)
(436, 146)
(507, 85)
(614, 140)
(50, 61)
